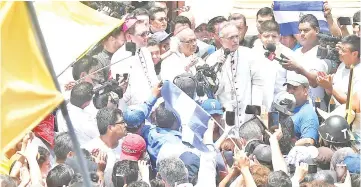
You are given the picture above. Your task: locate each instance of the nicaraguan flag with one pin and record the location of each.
(288, 14)
(194, 118)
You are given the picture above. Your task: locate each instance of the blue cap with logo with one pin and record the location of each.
(212, 106)
(134, 117)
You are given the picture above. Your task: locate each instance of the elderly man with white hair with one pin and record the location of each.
(240, 79)
(183, 58)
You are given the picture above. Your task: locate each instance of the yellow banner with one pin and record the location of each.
(28, 93)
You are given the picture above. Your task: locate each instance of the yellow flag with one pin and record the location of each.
(28, 93)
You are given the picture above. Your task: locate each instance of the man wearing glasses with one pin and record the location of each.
(158, 20)
(240, 83)
(184, 59)
(140, 67)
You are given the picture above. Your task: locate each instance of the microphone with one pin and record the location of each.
(271, 55)
(130, 46)
(197, 49)
(226, 52)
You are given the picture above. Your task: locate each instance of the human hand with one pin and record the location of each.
(241, 159)
(70, 85)
(27, 138)
(323, 80)
(277, 135)
(292, 66)
(234, 171)
(254, 160)
(301, 171)
(326, 9)
(156, 90)
(101, 161)
(31, 151)
(143, 169)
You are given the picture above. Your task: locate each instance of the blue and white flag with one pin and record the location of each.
(288, 14)
(194, 118)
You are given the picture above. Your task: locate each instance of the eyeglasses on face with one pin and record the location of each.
(231, 37)
(143, 34)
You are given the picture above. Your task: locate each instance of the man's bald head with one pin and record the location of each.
(191, 18)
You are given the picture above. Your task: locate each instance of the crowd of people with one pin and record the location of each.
(129, 135)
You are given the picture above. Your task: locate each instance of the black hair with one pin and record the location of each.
(140, 12)
(60, 175)
(265, 11)
(138, 184)
(164, 117)
(124, 172)
(180, 20)
(157, 183)
(62, 145)
(311, 19)
(83, 65)
(353, 41)
(153, 11)
(152, 42)
(81, 93)
(44, 155)
(279, 179)
(356, 17)
(214, 21)
(187, 83)
(107, 116)
(269, 26)
(243, 18)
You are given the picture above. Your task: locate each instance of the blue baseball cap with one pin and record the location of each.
(133, 117)
(212, 106)
(352, 162)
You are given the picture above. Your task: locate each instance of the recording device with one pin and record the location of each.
(273, 120)
(344, 20)
(327, 49)
(253, 109)
(312, 168)
(131, 47)
(111, 89)
(230, 118)
(228, 158)
(218, 65)
(271, 55)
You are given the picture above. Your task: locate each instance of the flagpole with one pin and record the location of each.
(64, 111)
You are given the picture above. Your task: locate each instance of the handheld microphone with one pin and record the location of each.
(271, 55)
(226, 52)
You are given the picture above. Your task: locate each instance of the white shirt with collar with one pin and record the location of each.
(341, 79)
(142, 76)
(84, 123)
(176, 64)
(310, 62)
(240, 82)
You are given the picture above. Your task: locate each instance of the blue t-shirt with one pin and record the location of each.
(298, 45)
(305, 122)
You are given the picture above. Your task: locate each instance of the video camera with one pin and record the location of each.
(207, 82)
(110, 89)
(327, 49)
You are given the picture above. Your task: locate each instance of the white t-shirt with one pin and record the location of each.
(113, 154)
(310, 62)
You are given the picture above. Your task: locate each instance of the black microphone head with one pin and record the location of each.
(131, 47)
(226, 52)
(197, 49)
(271, 47)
